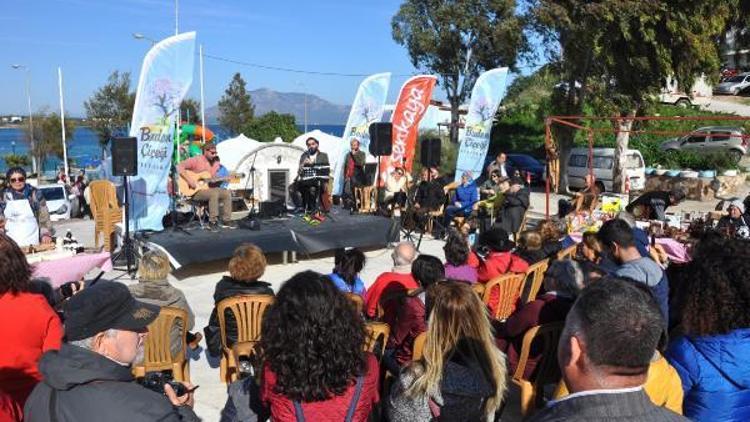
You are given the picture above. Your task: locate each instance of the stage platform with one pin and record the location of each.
(290, 234)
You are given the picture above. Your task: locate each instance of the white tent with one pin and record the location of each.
(232, 150)
(331, 145)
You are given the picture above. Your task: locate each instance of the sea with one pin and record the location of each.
(84, 148)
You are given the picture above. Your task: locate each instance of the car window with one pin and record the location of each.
(719, 136)
(633, 161)
(53, 194)
(736, 79)
(694, 139)
(599, 161)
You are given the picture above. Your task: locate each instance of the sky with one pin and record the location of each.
(89, 39)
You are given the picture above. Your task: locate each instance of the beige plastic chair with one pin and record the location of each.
(510, 287)
(377, 334)
(568, 252)
(359, 303)
(547, 371)
(534, 278)
(479, 289)
(158, 352)
(248, 313)
(418, 348)
(106, 211)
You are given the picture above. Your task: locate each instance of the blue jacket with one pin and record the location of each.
(358, 288)
(715, 375)
(467, 195)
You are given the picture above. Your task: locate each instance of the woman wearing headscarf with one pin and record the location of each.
(467, 193)
(24, 216)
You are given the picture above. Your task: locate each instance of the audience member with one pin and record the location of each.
(460, 263)
(462, 375)
(712, 355)
(154, 288)
(618, 241)
(467, 194)
(89, 378)
(28, 327)
(562, 282)
(403, 255)
(736, 224)
(347, 265)
(246, 266)
(611, 334)
(653, 205)
(530, 247)
(407, 320)
(514, 206)
(551, 237)
(315, 366)
(494, 250)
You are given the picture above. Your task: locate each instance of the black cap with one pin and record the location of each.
(104, 306)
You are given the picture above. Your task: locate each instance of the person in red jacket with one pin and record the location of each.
(494, 250)
(403, 255)
(28, 327)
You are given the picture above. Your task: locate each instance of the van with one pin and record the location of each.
(604, 168)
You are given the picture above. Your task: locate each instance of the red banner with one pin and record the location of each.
(412, 103)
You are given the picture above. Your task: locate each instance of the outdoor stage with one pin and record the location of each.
(290, 234)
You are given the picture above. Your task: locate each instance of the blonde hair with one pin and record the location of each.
(153, 266)
(457, 314)
(549, 230)
(531, 240)
(248, 263)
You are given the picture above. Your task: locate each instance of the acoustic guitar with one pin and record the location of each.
(204, 181)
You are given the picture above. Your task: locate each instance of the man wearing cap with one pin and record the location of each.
(736, 224)
(653, 205)
(514, 206)
(215, 195)
(89, 378)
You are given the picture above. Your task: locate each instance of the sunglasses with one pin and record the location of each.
(17, 179)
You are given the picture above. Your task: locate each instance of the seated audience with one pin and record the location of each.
(154, 288)
(590, 249)
(495, 259)
(514, 206)
(611, 334)
(736, 224)
(246, 266)
(562, 282)
(28, 327)
(428, 198)
(403, 255)
(586, 200)
(407, 319)
(460, 263)
(315, 366)
(467, 194)
(618, 241)
(551, 237)
(712, 355)
(347, 265)
(491, 193)
(462, 375)
(89, 378)
(530, 247)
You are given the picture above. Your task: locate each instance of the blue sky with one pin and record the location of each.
(91, 38)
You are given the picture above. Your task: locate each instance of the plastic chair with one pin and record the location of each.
(158, 352)
(522, 227)
(418, 348)
(479, 289)
(106, 211)
(510, 287)
(248, 314)
(357, 300)
(377, 335)
(547, 371)
(568, 252)
(365, 197)
(534, 278)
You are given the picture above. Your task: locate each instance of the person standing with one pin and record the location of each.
(215, 195)
(354, 173)
(653, 205)
(501, 165)
(23, 211)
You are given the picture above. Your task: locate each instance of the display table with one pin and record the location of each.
(72, 268)
(676, 251)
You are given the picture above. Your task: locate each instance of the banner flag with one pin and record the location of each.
(367, 108)
(166, 75)
(412, 103)
(488, 91)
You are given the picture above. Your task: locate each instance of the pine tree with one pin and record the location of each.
(235, 107)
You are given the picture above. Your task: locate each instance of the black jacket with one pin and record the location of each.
(229, 287)
(654, 204)
(548, 250)
(512, 210)
(89, 387)
(430, 194)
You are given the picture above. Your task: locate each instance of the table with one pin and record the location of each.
(60, 271)
(676, 251)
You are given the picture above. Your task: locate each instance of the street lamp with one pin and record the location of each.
(31, 118)
(139, 36)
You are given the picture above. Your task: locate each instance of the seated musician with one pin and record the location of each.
(429, 197)
(311, 186)
(653, 205)
(217, 197)
(396, 188)
(24, 216)
(467, 194)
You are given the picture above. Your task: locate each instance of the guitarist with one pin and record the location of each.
(311, 189)
(214, 195)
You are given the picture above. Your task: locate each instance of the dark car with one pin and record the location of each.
(524, 164)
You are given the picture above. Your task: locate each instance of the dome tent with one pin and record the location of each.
(232, 150)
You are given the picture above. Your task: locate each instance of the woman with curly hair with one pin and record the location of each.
(347, 265)
(460, 263)
(28, 328)
(712, 355)
(462, 375)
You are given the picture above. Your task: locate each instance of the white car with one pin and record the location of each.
(59, 201)
(733, 85)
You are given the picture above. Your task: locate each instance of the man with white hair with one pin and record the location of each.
(736, 223)
(403, 255)
(89, 378)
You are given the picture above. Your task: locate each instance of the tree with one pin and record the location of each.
(271, 125)
(235, 106)
(459, 39)
(17, 160)
(616, 55)
(190, 110)
(48, 136)
(110, 109)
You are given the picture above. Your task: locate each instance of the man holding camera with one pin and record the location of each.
(89, 378)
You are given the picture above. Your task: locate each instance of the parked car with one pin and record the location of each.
(604, 168)
(58, 201)
(711, 139)
(733, 85)
(523, 164)
(699, 95)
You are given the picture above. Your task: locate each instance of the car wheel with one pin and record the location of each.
(736, 155)
(683, 102)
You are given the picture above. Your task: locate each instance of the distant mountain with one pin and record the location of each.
(319, 111)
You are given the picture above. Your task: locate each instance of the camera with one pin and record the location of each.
(155, 381)
(482, 251)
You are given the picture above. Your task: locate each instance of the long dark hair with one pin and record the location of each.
(348, 264)
(313, 339)
(15, 271)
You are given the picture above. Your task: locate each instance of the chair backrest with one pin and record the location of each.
(543, 337)
(568, 252)
(377, 335)
(522, 227)
(509, 287)
(418, 348)
(248, 313)
(157, 349)
(357, 300)
(534, 278)
(479, 289)
(102, 196)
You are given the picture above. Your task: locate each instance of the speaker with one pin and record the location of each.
(381, 140)
(124, 156)
(429, 154)
(272, 209)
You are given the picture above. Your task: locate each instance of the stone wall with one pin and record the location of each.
(696, 188)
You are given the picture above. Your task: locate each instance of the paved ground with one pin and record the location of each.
(729, 104)
(197, 282)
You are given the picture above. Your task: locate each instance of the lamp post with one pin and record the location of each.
(31, 118)
(304, 88)
(139, 36)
